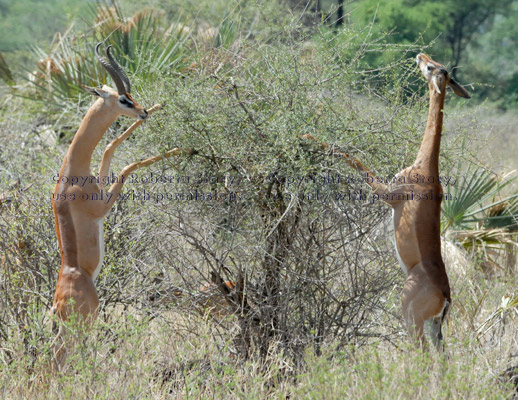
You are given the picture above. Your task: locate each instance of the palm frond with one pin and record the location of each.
(144, 44)
(508, 306)
(476, 201)
(5, 72)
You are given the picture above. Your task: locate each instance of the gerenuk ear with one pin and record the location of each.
(458, 89)
(96, 91)
(437, 81)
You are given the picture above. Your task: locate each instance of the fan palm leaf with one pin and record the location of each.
(477, 201)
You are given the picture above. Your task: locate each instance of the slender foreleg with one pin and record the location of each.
(116, 187)
(104, 169)
(376, 184)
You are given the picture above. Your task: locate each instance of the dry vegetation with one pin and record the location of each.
(313, 309)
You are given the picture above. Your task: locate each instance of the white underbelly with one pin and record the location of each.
(101, 248)
(401, 263)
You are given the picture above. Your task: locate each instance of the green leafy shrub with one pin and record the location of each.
(143, 44)
(314, 279)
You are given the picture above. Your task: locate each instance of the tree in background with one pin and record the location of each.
(496, 53)
(451, 26)
(468, 18)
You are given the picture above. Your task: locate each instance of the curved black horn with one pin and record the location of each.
(111, 70)
(119, 69)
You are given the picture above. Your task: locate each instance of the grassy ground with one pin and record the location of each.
(165, 348)
(180, 355)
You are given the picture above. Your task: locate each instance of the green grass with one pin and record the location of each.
(252, 86)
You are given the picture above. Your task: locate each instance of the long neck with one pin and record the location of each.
(428, 156)
(95, 123)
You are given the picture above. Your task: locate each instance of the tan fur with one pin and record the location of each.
(212, 300)
(77, 219)
(426, 293)
(79, 209)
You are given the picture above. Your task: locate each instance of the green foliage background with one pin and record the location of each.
(29, 22)
(478, 36)
(245, 81)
